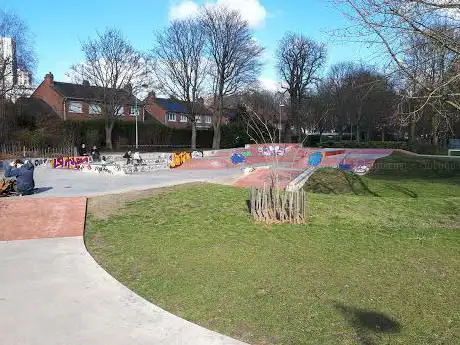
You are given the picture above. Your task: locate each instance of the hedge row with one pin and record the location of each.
(370, 144)
(421, 148)
(124, 133)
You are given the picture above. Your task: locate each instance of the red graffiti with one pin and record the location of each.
(71, 163)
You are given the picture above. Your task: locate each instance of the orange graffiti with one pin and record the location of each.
(177, 159)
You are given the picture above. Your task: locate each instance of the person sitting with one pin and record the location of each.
(95, 155)
(137, 157)
(24, 174)
(82, 151)
(128, 157)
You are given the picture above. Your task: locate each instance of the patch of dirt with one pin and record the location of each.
(104, 206)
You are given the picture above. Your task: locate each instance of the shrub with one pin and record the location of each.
(362, 145)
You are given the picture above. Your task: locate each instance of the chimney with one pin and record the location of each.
(49, 78)
(85, 83)
(152, 97)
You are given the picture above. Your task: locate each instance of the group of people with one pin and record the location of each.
(22, 172)
(94, 154)
(132, 158)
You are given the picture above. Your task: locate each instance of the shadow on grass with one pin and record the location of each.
(337, 181)
(368, 325)
(357, 185)
(401, 189)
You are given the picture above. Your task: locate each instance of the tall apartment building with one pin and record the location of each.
(14, 82)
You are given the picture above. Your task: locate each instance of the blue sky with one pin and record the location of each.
(59, 26)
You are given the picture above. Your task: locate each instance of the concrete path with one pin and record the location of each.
(52, 292)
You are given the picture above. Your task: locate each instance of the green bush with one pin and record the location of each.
(371, 144)
(234, 135)
(124, 133)
(420, 148)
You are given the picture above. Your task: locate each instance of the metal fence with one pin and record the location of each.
(10, 151)
(155, 148)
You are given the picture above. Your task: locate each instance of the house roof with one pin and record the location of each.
(36, 106)
(176, 106)
(95, 93)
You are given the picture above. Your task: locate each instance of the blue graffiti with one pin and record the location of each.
(315, 159)
(238, 158)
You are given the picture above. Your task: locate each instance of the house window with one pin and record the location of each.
(208, 119)
(95, 109)
(134, 111)
(183, 118)
(75, 107)
(198, 118)
(171, 117)
(121, 111)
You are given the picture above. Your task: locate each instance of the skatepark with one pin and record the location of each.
(46, 266)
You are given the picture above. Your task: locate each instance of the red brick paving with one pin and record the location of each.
(31, 218)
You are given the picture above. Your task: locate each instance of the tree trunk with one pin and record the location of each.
(434, 130)
(358, 133)
(383, 135)
(216, 123)
(216, 137)
(108, 134)
(287, 133)
(193, 141)
(412, 131)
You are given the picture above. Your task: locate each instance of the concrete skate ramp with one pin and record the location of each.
(265, 176)
(32, 218)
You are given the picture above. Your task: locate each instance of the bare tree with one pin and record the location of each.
(392, 24)
(16, 53)
(334, 84)
(180, 64)
(112, 64)
(299, 61)
(433, 66)
(320, 108)
(234, 54)
(355, 98)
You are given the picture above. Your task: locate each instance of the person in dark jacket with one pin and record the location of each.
(129, 158)
(24, 174)
(82, 150)
(95, 154)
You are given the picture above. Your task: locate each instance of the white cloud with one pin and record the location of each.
(183, 10)
(251, 10)
(269, 84)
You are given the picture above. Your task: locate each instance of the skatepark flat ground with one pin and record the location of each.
(61, 182)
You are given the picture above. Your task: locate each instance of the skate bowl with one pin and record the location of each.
(288, 164)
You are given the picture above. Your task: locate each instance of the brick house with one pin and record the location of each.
(82, 101)
(174, 113)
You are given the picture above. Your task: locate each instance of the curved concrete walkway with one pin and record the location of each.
(52, 292)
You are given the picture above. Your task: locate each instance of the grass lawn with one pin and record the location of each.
(378, 267)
